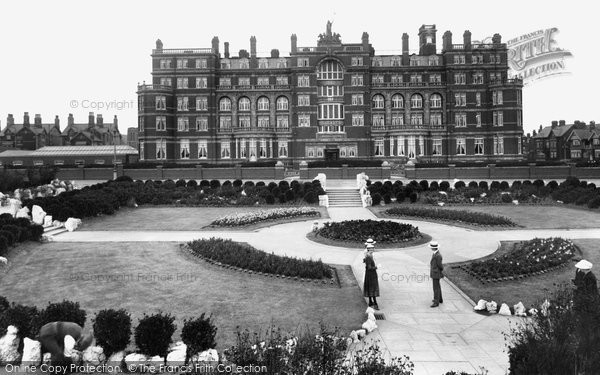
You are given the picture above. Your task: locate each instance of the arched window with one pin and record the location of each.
(225, 104)
(263, 103)
(435, 101)
(378, 101)
(397, 101)
(282, 103)
(330, 69)
(416, 101)
(244, 104)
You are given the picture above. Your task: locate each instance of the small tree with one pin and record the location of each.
(112, 330)
(199, 335)
(65, 311)
(153, 334)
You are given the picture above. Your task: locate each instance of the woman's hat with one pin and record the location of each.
(433, 245)
(370, 242)
(584, 265)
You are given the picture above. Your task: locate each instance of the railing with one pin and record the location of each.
(458, 46)
(181, 51)
(509, 81)
(406, 84)
(145, 87)
(307, 49)
(253, 87)
(416, 127)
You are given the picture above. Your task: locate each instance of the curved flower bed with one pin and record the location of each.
(264, 215)
(383, 231)
(478, 218)
(526, 259)
(245, 256)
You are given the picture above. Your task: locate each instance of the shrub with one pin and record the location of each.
(384, 231)
(16, 231)
(434, 185)
(112, 330)
(504, 185)
(3, 246)
(527, 183)
(65, 311)
(450, 215)
(198, 334)
(444, 186)
(169, 184)
(400, 196)
(538, 183)
(413, 197)
(192, 183)
(123, 179)
(181, 183)
(25, 318)
(226, 183)
(473, 185)
(495, 185)
(424, 185)
(249, 183)
(237, 183)
(270, 199)
(376, 199)
(310, 197)
(459, 185)
(506, 198)
(289, 195)
(8, 236)
(204, 183)
(516, 185)
(387, 198)
(215, 184)
(281, 198)
(260, 183)
(3, 304)
(594, 202)
(483, 185)
(153, 334)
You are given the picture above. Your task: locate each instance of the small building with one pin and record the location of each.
(70, 156)
(565, 142)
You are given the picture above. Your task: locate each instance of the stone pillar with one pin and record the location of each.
(119, 170)
(492, 171)
(386, 170)
(279, 171)
(159, 172)
(304, 170)
(410, 172)
(238, 171)
(81, 171)
(198, 171)
(572, 170)
(344, 171)
(452, 171)
(532, 171)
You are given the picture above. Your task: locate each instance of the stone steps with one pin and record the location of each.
(344, 198)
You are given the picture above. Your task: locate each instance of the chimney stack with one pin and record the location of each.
(57, 122)
(554, 124)
(253, 47)
(294, 40)
(561, 122)
(99, 120)
(365, 41)
(427, 42)
(159, 45)
(70, 119)
(26, 119)
(215, 45)
(467, 39)
(10, 120)
(405, 58)
(274, 53)
(226, 47)
(115, 123)
(447, 41)
(91, 120)
(37, 120)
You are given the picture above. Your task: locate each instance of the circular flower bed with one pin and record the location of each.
(383, 232)
(247, 218)
(527, 258)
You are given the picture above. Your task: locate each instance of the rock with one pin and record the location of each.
(441, 204)
(3, 260)
(23, 212)
(135, 362)
(481, 305)
(72, 223)
(371, 316)
(504, 310)
(116, 358)
(69, 346)
(491, 307)
(32, 352)
(354, 337)
(520, 309)
(46, 358)
(361, 333)
(9, 345)
(57, 224)
(37, 214)
(515, 202)
(210, 355)
(93, 355)
(177, 354)
(370, 310)
(369, 325)
(47, 221)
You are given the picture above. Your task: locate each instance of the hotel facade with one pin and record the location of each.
(332, 101)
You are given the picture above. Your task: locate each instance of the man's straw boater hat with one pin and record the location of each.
(433, 245)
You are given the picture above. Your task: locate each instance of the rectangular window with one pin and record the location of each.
(478, 119)
(575, 154)
(262, 149)
(497, 98)
(498, 118)
(244, 81)
(435, 78)
(201, 82)
(459, 59)
(161, 149)
(244, 121)
(182, 83)
(357, 80)
(397, 119)
(477, 78)
(252, 148)
(356, 61)
(358, 119)
(437, 147)
(281, 80)
(201, 103)
(165, 82)
(182, 63)
(263, 121)
(224, 81)
(379, 147)
(201, 64)
(435, 118)
(396, 61)
(400, 151)
(331, 91)
(244, 64)
(416, 119)
(461, 148)
(142, 151)
(498, 146)
(303, 100)
(310, 152)
(225, 150)
(184, 149)
(165, 64)
(202, 149)
(460, 119)
(304, 120)
(183, 124)
(412, 147)
(202, 124)
(331, 111)
(378, 121)
(460, 78)
(421, 146)
(282, 122)
(416, 78)
(460, 99)
(161, 123)
(182, 103)
(478, 146)
(397, 79)
(478, 99)
(282, 149)
(377, 61)
(377, 79)
(161, 103)
(357, 99)
(225, 122)
(495, 77)
(303, 81)
(262, 81)
(302, 61)
(243, 149)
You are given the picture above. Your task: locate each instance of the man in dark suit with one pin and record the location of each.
(435, 272)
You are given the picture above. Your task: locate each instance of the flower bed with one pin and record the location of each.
(527, 258)
(383, 231)
(245, 256)
(477, 218)
(264, 215)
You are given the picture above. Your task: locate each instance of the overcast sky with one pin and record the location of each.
(62, 57)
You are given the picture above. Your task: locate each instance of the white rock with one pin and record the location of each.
(441, 204)
(72, 223)
(37, 214)
(23, 212)
(480, 305)
(520, 309)
(369, 325)
(47, 221)
(9, 344)
(3, 260)
(46, 358)
(532, 311)
(371, 316)
(210, 355)
(354, 337)
(94, 355)
(69, 345)
(116, 358)
(515, 202)
(369, 310)
(491, 307)
(361, 333)
(32, 352)
(504, 310)
(177, 354)
(57, 224)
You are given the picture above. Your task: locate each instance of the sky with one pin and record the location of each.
(62, 57)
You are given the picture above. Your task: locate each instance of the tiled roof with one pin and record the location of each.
(557, 131)
(85, 150)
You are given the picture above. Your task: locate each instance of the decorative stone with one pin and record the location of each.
(32, 352)
(37, 214)
(504, 310)
(9, 345)
(94, 355)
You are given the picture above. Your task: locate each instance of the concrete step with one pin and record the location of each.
(55, 231)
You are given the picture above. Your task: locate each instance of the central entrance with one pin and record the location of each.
(332, 154)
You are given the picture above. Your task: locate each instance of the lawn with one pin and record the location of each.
(151, 277)
(527, 216)
(168, 218)
(530, 290)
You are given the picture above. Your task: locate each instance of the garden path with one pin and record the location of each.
(450, 337)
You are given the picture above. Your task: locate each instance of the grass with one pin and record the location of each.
(169, 218)
(360, 245)
(151, 277)
(530, 290)
(525, 216)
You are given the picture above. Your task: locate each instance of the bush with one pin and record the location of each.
(516, 185)
(123, 179)
(3, 246)
(413, 197)
(434, 186)
(400, 196)
(112, 330)
(180, 183)
(270, 199)
(3, 304)
(483, 185)
(153, 334)
(65, 311)
(594, 202)
(25, 318)
(226, 183)
(504, 185)
(237, 183)
(215, 184)
(424, 185)
(444, 186)
(289, 195)
(8, 236)
(459, 185)
(450, 215)
(204, 184)
(506, 198)
(310, 197)
(199, 335)
(169, 184)
(387, 198)
(538, 183)
(384, 231)
(192, 183)
(495, 185)
(473, 185)
(376, 199)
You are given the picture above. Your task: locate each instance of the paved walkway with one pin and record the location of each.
(451, 337)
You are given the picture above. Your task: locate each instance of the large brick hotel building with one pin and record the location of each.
(332, 101)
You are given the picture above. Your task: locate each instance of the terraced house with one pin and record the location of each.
(332, 101)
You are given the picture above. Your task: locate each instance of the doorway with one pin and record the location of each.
(332, 154)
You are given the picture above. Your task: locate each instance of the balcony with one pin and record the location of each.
(152, 87)
(406, 84)
(182, 51)
(509, 81)
(253, 88)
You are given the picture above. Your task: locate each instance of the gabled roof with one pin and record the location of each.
(581, 133)
(557, 131)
